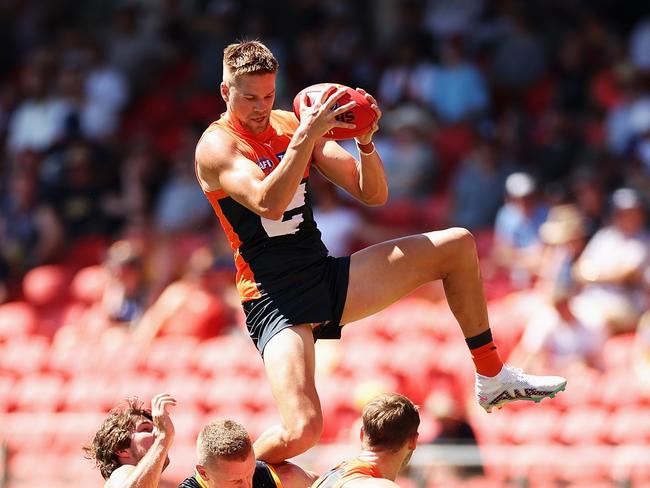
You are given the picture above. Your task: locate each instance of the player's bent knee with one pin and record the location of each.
(463, 240)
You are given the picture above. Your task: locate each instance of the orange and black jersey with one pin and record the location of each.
(347, 471)
(264, 477)
(267, 251)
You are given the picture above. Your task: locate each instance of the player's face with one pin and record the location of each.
(250, 100)
(234, 474)
(142, 439)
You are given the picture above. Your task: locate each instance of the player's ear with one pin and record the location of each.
(122, 454)
(202, 472)
(225, 91)
(413, 441)
(361, 434)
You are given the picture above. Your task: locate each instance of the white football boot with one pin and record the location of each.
(512, 384)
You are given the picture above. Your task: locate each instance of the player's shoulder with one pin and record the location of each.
(119, 476)
(214, 146)
(292, 475)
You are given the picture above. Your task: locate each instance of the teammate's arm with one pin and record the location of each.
(364, 178)
(220, 164)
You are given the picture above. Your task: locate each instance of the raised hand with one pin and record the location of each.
(367, 137)
(163, 425)
(321, 116)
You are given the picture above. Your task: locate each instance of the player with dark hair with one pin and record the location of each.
(130, 448)
(253, 165)
(389, 436)
(225, 458)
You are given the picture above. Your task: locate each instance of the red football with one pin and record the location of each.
(362, 115)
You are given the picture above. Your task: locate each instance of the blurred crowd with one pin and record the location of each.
(527, 122)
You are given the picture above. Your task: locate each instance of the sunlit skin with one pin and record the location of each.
(249, 99)
(141, 441)
(224, 473)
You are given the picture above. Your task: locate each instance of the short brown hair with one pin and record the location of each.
(223, 439)
(115, 434)
(248, 57)
(389, 420)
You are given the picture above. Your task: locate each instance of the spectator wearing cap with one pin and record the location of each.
(564, 235)
(517, 246)
(554, 337)
(612, 264)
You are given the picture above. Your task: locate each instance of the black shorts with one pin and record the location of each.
(314, 295)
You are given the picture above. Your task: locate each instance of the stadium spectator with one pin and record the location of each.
(611, 267)
(389, 435)
(124, 299)
(408, 77)
(555, 338)
(517, 247)
(564, 235)
(459, 90)
(131, 446)
(409, 160)
(30, 232)
(39, 121)
(225, 458)
(195, 305)
(477, 183)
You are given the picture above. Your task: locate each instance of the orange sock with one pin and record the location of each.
(484, 354)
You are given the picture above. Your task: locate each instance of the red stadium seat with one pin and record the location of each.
(534, 425)
(39, 393)
(25, 355)
(630, 425)
(227, 355)
(46, 285)
(91, 393)
(618, 351)
(17, 319)
(7, 384)
(88, 284)
(583, 425)
(28, 431)
(171, 354)
(618, 389)
(142, 385)
(186, 388)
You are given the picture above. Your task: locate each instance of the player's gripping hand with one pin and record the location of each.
(367, 137)
(162, 422)
(320, 117)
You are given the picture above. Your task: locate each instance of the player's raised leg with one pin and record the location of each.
(383, 273)
(289, 363)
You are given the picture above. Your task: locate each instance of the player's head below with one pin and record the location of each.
(248, 85)
(225, 455)
(390, 425)
(123, 438)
